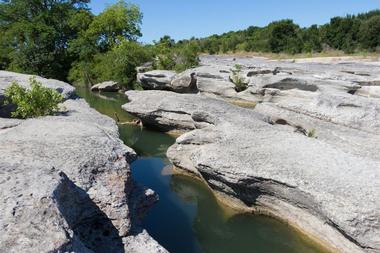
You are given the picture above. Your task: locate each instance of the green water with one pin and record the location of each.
(187, 218)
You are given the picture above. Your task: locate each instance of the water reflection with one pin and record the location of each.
(189, 219)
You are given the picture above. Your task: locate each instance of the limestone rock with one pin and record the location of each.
(185, 82)
(66, 186)
(156, 79)
(106, 86)
(326, 185)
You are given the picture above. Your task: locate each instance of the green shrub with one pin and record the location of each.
(312, 133)
(187, 57)
(35, 102)
(240, 85)
(178, 57)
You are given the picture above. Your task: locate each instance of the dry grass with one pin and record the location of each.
(242, 103)
(283, 56)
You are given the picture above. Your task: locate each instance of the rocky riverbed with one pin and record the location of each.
(307, 153)
(65, 182)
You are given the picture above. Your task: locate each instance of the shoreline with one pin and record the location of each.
(236, 206)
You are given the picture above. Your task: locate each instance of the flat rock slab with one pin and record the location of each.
(317, 184)
(106, 86)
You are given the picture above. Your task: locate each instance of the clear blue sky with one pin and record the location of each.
(182, 19)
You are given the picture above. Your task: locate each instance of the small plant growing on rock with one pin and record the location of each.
(240, 85)
(312, 133)
(34, 102)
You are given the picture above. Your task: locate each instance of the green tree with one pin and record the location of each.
(101, 34)
(175, 56)
(36, 35)
(119, 64)
(370, 33)
(311, 39)
(341, 33)
(284, 37)
(117, 22)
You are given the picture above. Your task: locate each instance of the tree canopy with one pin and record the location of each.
(349, 34)
(62, 39)
(35, 35)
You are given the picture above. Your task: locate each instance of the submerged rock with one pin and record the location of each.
(106, 86)
(327, 184)
(66, 186)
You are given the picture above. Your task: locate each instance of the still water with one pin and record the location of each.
(187, 218)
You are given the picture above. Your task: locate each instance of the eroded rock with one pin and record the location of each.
(66, 186)
(185, 82)
(156, 79)
(327, 185)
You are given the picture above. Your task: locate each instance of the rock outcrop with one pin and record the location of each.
(308, 153)
(65, 183)
(184, 82)
(106, 86)
(156, 79)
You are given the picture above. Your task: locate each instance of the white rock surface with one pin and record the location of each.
(328, 184)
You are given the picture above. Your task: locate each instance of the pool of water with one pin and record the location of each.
(187, 218)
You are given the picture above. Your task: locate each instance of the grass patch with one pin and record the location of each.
(243, 103)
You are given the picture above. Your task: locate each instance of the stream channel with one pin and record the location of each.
(188, 218)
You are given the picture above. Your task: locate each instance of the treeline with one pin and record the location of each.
(64, 40)
(349, 34)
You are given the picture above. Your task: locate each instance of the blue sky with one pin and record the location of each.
(182, 19)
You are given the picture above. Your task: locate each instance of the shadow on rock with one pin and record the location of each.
(90, 225)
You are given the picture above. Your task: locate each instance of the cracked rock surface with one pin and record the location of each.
(327, 184)
(66, 186)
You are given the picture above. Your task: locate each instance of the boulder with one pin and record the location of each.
(106, 86)
(66, 186)
(214, 81)
(185, 82)
(156, 79)
(218, 87)
(263, 160)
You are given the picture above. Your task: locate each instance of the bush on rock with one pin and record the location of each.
(34, 102)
